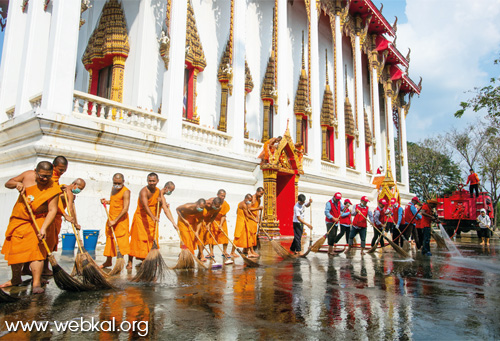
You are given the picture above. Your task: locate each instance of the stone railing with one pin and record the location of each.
(36, 101)
(197, 133)
(253, 148)
(110, 112)
(307, 162)
(329, 168)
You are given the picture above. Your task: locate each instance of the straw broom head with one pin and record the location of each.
(318, 244)
(65, 281)
(152, 268)
(92, 274)
(185, 260)
(119, 265)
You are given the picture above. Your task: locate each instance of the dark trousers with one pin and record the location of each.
(420, 238)
(298, 228)
(376, 234)
(396, 234)
(473, 188)
(362, 234)
(332, 234)
(344, 229)
(426, 243)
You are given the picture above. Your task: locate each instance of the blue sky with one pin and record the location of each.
(453, 44)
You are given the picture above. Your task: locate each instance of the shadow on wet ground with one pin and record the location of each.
(378, 296)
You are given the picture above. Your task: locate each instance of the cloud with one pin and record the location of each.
(453, 43)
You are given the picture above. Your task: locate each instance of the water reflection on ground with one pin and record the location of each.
(374, 297)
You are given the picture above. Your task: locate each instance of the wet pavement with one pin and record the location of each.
(375, 297)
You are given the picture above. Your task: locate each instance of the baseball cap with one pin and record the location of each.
(338, 196)
(347, 201)
(416, 199)
(393, 201)
(364, 198)
(383, 202)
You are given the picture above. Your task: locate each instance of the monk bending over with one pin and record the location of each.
(22, 241)
(221, 223)
(212, 208)
(243, 236)
(255, 209)
(189, 222)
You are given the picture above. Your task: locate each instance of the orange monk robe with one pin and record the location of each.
(121, 226)
(143, 228)
(243, 237)
(21, 242)
(187, 234)
(221, 237)
(252, 225)
(52, 236)
(205, 236)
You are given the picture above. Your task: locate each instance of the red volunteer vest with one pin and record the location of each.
(360, 221)
(395, 215)
(382, 217)
(408, 215)
(334, 211)
(346, 220)
(425, 221)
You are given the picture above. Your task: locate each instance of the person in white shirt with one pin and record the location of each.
(484, 226)
(299, 222)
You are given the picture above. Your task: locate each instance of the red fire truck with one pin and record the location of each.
(460, 210)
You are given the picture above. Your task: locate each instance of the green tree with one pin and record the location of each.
(489, 162)
(431, 172)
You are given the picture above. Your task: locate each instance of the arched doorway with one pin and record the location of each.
(281, 177)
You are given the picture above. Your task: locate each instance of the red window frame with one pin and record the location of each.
(350, 151)
(367, 156)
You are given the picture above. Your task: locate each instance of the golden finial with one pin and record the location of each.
(303, 60)
(326, 63)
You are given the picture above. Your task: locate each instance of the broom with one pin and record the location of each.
(250, 263)
(6, 298)
(257, 245)
(280, 250)
(374, 247)
(439, 240)
(63, 280)
(319, 243)
(407, 225)
(91, 273)
(215, 264)
(186, 258)
(406, 243)
(153, 266)
(228, 260)
(120, 261)
(396, 247)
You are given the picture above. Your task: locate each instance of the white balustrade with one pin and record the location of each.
(329, 168)
(307, 162)
(110, 112)
(196, 133)
(253, 148)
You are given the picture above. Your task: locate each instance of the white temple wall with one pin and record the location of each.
(348, 59)
(325, 42)
(368, 107)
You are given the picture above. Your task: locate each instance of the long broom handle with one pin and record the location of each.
(371, 223)
(236, 248)
(336, 224)
(112, 229)
(196, 235)
(35, 223)
(77, 235)
(213, 237)
(400, 233)
(157, 234)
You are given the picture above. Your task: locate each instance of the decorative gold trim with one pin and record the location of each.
(248, 89)
(301, 106)
(194, 49)
(164, 40)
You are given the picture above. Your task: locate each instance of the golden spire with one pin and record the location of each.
(326, 65)
(303, 60)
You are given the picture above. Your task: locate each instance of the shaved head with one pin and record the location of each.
(60, 160)
(80, 183)
(201, 201)
(44, 165)
(119, 176)
(217, 202)
(220, 191)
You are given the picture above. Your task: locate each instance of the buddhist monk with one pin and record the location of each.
(142, 231)
(22, 241)
(190, 218)
(221, 223)
(212, 208)
(255, 209)
(117, 220)
(167, 190)
(269, 148)
(60, 164)
(52, 236)
(243, 236)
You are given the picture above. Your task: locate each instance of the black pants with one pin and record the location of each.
(420, 238)
(473, 188)
(376, 234)
(298, 228)
(396, 238)
(332, 234)
(344, 229)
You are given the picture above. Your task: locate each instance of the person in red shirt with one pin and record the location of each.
(428, 216)
(473, 179)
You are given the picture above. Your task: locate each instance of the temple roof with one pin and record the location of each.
(378, 23)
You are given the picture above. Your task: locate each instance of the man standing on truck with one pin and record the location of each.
(473, 179)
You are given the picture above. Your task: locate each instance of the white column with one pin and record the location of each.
(377, 159)
(143, 58)
(33, 65)
(61, 60)
(315, 135)
(173, 79)
(13, 47)
(390, 132)
(284, 112)
(340, 145)
(236, 103)
(404, 169)
(360, 153)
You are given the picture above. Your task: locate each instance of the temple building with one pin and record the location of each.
(192, 89)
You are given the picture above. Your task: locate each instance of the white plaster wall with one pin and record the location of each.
(348, 59)
(367, 102)
(325, 42)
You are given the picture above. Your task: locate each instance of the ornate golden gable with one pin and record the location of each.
(327, 111)
(194, 50)
(368, 132)
(110, 37)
